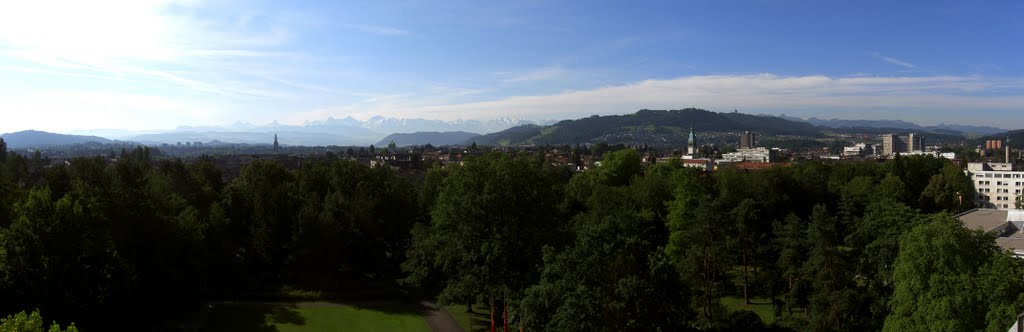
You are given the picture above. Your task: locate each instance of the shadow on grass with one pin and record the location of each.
(482, 322)
(257, 317)
(391, 307)
(480, 319)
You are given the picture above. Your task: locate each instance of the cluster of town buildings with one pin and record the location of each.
(998, 185)
(892, 144)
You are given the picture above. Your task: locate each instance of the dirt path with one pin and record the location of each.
(439, 319)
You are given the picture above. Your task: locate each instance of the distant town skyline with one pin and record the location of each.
(160, 64)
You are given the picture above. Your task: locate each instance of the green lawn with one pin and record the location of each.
(310, 317)
(760, 306)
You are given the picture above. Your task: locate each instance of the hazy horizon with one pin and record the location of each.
(162, 64)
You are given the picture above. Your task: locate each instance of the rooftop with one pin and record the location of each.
(1013, 243)
(983, 219)
(1004, 223)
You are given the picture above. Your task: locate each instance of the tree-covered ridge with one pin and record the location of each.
(35, 139)
(1013, 138)
(427, 137)
(646, 126)
(135, 243)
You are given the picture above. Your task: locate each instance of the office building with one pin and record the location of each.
(748, 140)
(893, 144)
(859, 150)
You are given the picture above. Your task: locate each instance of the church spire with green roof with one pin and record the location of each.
(691, 145)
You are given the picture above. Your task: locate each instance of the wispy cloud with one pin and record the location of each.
(751, 93)
(541, 74)
(380, 30)
(892, 60)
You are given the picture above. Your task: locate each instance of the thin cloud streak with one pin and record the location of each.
(891, 60)
(380, 30)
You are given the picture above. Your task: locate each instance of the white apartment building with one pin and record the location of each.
(933, 153)
(997, 185)
(761, 155)
(860, 149)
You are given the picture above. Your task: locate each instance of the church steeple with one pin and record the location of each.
(276, 146)
(691, 144)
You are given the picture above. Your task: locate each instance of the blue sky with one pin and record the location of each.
(158, 64)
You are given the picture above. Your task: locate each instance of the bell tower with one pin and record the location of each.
(691, 144)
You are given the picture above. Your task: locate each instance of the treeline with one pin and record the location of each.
(135, 243)
(842, 246)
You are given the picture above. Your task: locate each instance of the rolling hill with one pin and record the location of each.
(953, 129)
(36, 139)
(428, 137)
(654, 127)
(1015, 137)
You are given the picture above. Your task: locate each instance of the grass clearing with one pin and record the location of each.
(760, 306)
(309, 317)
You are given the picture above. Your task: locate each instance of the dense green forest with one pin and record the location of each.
(138, 243)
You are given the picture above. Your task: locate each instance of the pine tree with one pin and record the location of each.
(3, 150)
(792, 243)
(833, 299)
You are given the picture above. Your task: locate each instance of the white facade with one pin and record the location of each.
(936, 154)
(859, 149)
(997, 185)
(701, 164)
(763, 155)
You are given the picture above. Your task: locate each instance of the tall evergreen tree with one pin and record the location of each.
(791, 240)
(833, 301)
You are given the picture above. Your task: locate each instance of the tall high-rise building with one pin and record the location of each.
(691, 144)
(747, 140)
(276, 146)
(889, 143)
(893, 144)
(914, 142)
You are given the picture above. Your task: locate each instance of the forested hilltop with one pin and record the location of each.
(655, 127)
(139, 243)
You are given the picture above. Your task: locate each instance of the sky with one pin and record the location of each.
(159, 64)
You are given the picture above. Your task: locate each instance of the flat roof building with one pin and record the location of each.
(996, 185)
(762, 155)
(1007, 225)
(893, 144)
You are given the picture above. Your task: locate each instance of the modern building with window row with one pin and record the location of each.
(761, 155)
(997, 185)
(893, 144)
